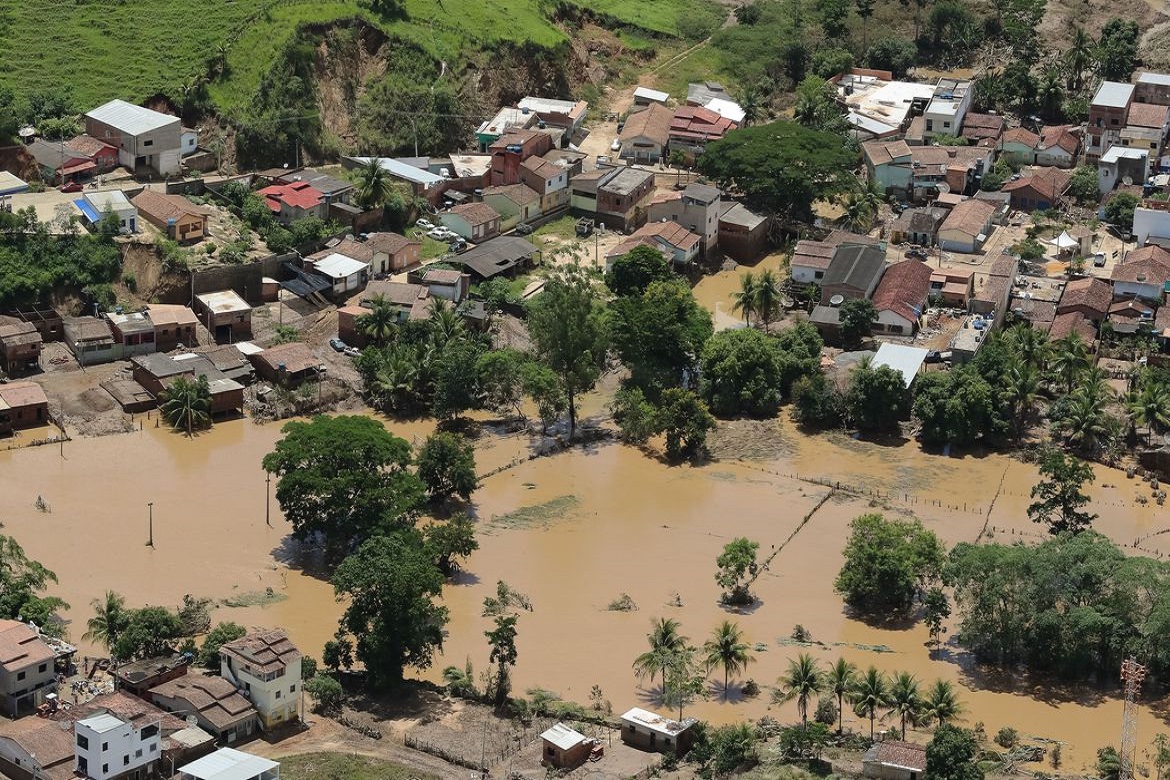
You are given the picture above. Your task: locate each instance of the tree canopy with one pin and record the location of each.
(741, 373)
(953, 754)
(342, 479)
(1059, 493)
(888, 564)
(634, 271)
(781, 167)
(659, 334)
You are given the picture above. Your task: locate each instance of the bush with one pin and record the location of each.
(327, 693)
(826, 711)
(1007, 737)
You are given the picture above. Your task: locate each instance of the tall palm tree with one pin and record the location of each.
(664, 640)
(186, 404)
(1151, 409)
(1085, 422)
(373, 184)
(752, 102)
(841, 679)
(379, 323)
(1069, 360)
(872, 693)
(1078, 58)
(726, 648)
(1050, 90)
(744, 299)
(941, 704)
(858, 213)
(446, 325)
(803, 681)
(905, 700)
(1022, 385)
(109, 619)
(767, 304)
(1030, 345)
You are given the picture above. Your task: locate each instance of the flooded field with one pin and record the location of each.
(574, 532)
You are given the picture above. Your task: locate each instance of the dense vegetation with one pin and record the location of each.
(34, 261)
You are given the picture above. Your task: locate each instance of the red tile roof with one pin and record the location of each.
(697, 123)
(1059, 136)
(390, 243)
(1020, 136)
(476, 213)
(1072, 322)
(969, 217)
(264, 651)
(1148, 265)
(1146, 115)
(1130, 308)
(905, 755)
(652, 122)
(87, 145)
(20, 646)
(903, 289)
(813, 254)
(1048, 182)
(297, 194)
(520, 194)
(1091, 292)
(671, 233)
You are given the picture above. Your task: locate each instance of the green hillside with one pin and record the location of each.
(100, 49)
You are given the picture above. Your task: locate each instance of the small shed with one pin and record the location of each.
(907, 361)
(565, 748)
(644, 729)
(644, 96)
(894, 760)
(230, 764)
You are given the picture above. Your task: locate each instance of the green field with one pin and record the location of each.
(100, 49)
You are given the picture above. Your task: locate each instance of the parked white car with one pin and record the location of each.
(424, 224)
(442, 233)
(616, 145)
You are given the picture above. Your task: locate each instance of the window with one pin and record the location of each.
(105, 746)
(105, 769)
(278, 694)
(148, 143)
(126, 760)
(292, 689)
(149, 731)
(82, 742)
(42, 668)
(946, 124)
(153, 747)
(818, 274)
(20, 675)
(138, 753)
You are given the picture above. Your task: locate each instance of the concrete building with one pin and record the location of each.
(967, 226)
(156, 372)
(1121, 165)
(392, 252)
(506, 120)
(697, 208)
(1151, 226)
(178, 218)
(20, 345)
(27, 663)
(230, 764)
(894, 760)
(648, 730)
(220, 709)
(515, 203)
(173, 325)
(294, 201)
(133, 332)
(644, 96)
(95, 205)
(693, 127)
(1107, 116)
(1142, 273)
(810, 260)
(1152, 88)
(91, 340)
(1038, 188)
(511, 149)
(474, 222)
(568, 114)
(268, 667)
(22, 405)
(1059, 145)
(225, 314)
(918, 226)
(877, 106)
(677, 244)
(1089, 297)
(743, 234)
(138, 677)
(108, 746)
(548, 179)
(1019, 145)
(288, 365)
(564, 748)
(620, 196)
(646, 134)
(948, 107)
(345, 274)
(145, 139)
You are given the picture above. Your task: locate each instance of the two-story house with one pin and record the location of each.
(549, 180)
(144, 138)
(948, 107)
(513, 148)
(696, 208)
(27, 670)
(109, 747)
(267, 666)
(1107, 117)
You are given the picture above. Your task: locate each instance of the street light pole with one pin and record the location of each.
(150, 509)
(268, 500)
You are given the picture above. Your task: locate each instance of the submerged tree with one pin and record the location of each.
(186, 404)
(664, 639)
(1059, 496)
(727, 649)
(737, 570)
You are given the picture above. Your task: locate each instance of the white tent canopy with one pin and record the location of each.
(1065, 241)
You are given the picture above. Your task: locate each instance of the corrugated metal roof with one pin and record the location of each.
(1113, 94)
(905, 360)
(228, 764)
(130, 118)
(562, 736)
(402, 170)
(101, 723)
(339, 266)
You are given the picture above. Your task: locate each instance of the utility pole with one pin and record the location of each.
(268, 500)
(150, 509)
(1132, 673)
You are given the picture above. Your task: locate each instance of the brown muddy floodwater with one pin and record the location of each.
(574, 532)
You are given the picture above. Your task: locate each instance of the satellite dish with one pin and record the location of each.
(192, 721)
(837, 300)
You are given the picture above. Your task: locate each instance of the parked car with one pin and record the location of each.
(72, 186)
(353, 352)
(1099, 259)
(616, 145)
(424, 224)
(458, 245)
(524, 229)
(918, 252)
(602, 159)
(441, 233)
(337, 344)
(934, 356)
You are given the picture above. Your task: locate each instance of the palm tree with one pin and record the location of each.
(109, 619)
(744, 299)
(1070, 358)
(446, 325)
(664, 640)
(726, 648)
(1029, 344)
(752, 103)
(186, 404)
(905, 700)
(941, 704)
(871, 694)
(1151, 409)
(842, 679)
(803, 681)
(1022, 384)
(767, 303)
(1078, 58)
(1051, 92)
(373, 184)
(1085, 424)
(858, 213)
(379, 323)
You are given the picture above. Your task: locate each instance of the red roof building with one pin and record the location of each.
(900, 297)
(693, 127)
(294, 200)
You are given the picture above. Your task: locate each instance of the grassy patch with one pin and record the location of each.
(703, 64)
(330, 766)
(539, 514)
(432, 248)
(255, 598)
(565, 228)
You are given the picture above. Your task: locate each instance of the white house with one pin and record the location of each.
(188, 141)
(94, 206)
(107, 746)
(230, 764)
(144, 138)
(1118, 164)
(1142, 273)
(344, 272)
(948, 107)
(810, 260)
(967, 226)
(1151, 226)
(268, 668)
